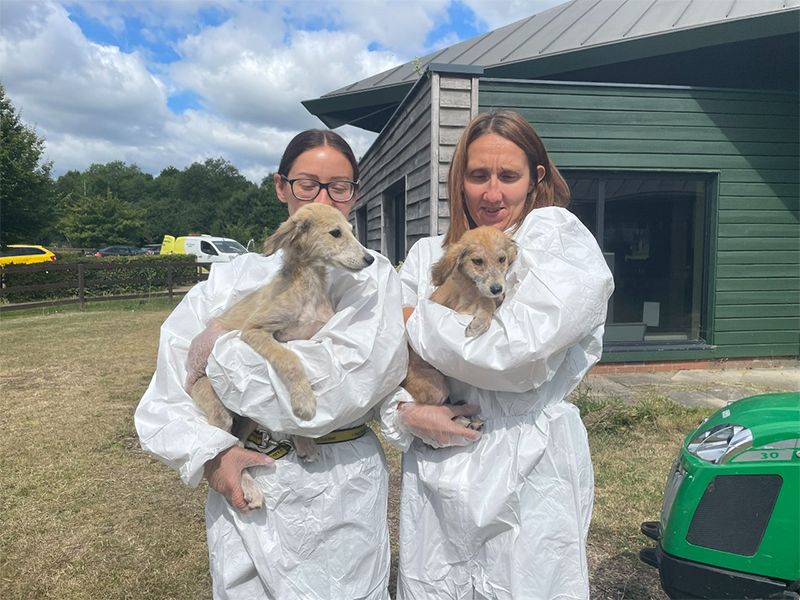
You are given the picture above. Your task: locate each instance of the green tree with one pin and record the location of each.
(26, 188)
(203, 188)
(275, 211)
(252, 213)
(166, 213)
(98, 220)
(126, 182)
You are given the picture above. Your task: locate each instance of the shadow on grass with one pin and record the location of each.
(622, 576)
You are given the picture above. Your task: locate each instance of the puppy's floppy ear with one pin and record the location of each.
(445, 266)
(285, 234)
(511, 251)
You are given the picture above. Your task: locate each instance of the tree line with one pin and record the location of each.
(117, 203)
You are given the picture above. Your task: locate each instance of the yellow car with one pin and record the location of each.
(23, 254)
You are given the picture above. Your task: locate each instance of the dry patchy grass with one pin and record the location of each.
(83, 513)
(86, 515)
(633, 446)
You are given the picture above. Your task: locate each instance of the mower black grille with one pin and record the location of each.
(734, 512)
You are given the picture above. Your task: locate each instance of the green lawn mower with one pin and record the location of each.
(730, 519)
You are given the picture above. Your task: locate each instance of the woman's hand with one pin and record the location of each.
(199, 351)
(224, 473)
(434, 425)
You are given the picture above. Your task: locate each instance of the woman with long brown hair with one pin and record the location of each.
(504, 513)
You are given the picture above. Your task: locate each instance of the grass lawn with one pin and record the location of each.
(86, 515)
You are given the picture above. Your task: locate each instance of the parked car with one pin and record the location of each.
(205, 248)
(119, 251)
(730, 519)
(24, 254)
(151, 249)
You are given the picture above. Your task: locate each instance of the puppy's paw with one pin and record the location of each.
(477, 326)
(463, 421)
(475, 423)
(304, 403)
(306, 448)
(252, 493)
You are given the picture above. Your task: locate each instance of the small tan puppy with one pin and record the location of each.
(294, 305)
(471, 279)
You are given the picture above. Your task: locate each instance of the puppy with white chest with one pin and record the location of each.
(294, 305)
(471, 279)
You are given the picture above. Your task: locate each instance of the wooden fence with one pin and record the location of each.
(168, 289)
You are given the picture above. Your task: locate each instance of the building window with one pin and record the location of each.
(652, 230)
(361, 225)
(394, 222)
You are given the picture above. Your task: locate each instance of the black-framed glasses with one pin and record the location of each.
(339, 190)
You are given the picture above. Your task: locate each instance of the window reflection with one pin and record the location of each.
(651, 230)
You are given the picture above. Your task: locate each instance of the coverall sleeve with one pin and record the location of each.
(559, 288)
(169, 424)
(409, 276)
(392, 427)
(355, 360)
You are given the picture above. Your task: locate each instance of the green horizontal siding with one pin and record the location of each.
(731, 350)
(747, 141)
(754, 216)
(768, 176)
(788, 230)
(733, 271)
(734, 189)
(677, 132)
(667, 159)
(778, 243)
(757, 297)
(758, 257)
(758, 324)
(758, 284)
(742, 337)
(764, 310)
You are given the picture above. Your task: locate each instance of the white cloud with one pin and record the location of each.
(249, 66)
(63, 83)
(496, 14)
(265, 87)
(401, 26)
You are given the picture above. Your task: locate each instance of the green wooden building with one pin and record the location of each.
(675, 123)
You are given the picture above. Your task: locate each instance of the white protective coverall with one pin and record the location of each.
(323, 533)
(506, 517)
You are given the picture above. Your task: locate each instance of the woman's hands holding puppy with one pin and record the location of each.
(224, 473)
(434, 425)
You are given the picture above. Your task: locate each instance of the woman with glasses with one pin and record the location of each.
(502, 514)
(322, 533)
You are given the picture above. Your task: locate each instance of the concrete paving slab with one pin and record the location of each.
(693, 387)
(599, 386)
(778, 379)
(699, 399)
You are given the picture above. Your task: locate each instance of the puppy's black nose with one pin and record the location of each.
(496, 288)
(369, 259)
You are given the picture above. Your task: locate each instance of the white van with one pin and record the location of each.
(206, 248)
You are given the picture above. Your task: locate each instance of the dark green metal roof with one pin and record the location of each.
(721, 43)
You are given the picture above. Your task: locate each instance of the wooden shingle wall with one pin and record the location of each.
(457, 104)
(415, 148)
(402, 153)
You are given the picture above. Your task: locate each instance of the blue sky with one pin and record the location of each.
(161, 83)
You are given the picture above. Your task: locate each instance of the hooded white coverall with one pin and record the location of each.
(323, 533)
(506, 517)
